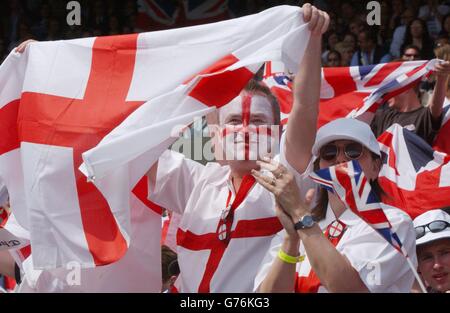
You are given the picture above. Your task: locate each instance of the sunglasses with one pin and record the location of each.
(352, 151)
(434, 227)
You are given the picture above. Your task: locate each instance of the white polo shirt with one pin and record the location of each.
(199, 193)
(380, 266)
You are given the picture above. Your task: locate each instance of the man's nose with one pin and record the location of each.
(437, 264)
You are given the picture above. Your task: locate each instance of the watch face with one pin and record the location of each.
(308, 221)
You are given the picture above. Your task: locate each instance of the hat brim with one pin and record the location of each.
(430, 237)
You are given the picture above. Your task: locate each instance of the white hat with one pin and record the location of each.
(346, 128)
(428, 217)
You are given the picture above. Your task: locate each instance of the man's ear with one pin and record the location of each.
(172, 280)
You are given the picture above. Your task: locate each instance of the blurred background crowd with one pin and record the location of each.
(410, 29)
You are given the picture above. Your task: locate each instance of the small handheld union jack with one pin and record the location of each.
(348, 181)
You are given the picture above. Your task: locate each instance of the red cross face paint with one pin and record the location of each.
(246, 129)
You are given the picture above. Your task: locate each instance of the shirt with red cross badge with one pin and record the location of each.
(223, 232)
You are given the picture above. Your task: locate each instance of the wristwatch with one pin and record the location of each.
(307, 221)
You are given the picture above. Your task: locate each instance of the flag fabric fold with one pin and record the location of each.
(415, 177)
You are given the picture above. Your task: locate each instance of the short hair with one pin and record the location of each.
(169, 263)
(259, 88)
(254, 87)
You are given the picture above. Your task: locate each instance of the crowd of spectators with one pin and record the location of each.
(421, 24)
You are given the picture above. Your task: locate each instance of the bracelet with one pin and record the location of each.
(290, 259)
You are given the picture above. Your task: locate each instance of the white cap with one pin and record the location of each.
(428, 217)
(346, 129)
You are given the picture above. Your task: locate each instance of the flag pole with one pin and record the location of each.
(413, 269)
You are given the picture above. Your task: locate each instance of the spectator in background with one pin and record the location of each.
(417, 34)
(369, 52)
(350, 39)
(169, 268)
(348, 12)
(346, 51)
(399, 33)
(332, 39)
(406, 109)
(433, 12)
(411, 53)
(355, 27)
(433, 249)
(333, 59)
(395, 18)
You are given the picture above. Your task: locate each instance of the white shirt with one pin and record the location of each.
(380, 266)
(200, 193)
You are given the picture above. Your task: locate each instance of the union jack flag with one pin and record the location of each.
(165, 14)
(205, 11)
(355, 91)
(415, 177)
(157, 14)
(349, 183)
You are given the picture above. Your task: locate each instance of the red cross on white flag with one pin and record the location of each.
(118, 97)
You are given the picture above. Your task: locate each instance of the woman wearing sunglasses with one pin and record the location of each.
(433, 249)
(325, 247)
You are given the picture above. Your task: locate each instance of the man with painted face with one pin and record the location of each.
(227, 220)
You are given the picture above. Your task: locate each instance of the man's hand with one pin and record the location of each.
(21, 48)
(318, 20)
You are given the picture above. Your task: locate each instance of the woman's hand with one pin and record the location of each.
(283, 186)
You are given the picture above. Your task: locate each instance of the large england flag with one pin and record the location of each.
(121, 98)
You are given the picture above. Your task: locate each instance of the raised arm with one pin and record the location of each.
(301, 129)
(436, 102)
